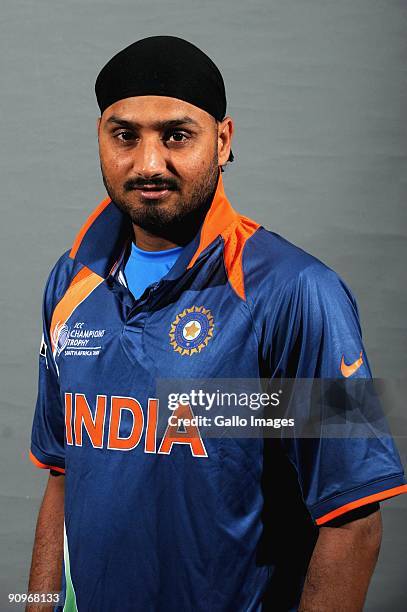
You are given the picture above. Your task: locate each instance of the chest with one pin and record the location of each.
(114, 343)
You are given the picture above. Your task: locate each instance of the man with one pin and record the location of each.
(166, 279)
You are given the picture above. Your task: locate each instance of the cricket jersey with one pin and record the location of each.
(166, 520)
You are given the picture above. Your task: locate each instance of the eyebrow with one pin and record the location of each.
(156, 125)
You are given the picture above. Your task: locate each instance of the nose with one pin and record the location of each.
(150, 157)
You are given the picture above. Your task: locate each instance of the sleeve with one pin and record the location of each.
(317, 335)
(48, 429)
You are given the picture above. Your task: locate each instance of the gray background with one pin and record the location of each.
(318, 92)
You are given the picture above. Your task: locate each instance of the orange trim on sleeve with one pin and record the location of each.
(38, 464)
(86, 226)
(80, 288)
(362, 502)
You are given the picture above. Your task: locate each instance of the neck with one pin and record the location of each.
(149, 242)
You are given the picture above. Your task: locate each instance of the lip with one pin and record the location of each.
(153, 194)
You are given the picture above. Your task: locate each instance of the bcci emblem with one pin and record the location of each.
(191, 330)
(60, 337)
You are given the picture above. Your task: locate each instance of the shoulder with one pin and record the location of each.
(274, 264)
(59, 280)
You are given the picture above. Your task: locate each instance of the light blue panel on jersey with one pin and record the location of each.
(144, 268)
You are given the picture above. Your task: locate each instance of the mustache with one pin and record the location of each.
(139, 183)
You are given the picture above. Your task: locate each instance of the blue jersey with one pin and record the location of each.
(173, 523)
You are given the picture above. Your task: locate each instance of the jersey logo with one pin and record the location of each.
(191, 330)
(77, 340)
(60, 336)
(348, 370)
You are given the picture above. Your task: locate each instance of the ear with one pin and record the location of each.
(225, 133)
(98, 123)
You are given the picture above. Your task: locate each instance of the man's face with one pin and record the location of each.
(159, 159)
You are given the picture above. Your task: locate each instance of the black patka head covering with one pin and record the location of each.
(163, 66)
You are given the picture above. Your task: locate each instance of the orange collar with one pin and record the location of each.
(218, 218)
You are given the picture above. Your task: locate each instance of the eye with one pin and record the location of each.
(178, 136)
(125, 135)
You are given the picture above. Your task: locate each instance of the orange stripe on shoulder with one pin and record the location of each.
(80, 276)
(362, 502)
(80, 288)
(86, 226)
(235, 238)
(38, 464)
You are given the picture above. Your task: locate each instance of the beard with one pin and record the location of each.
(177, 223)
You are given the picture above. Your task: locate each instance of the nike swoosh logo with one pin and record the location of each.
(348, 370)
